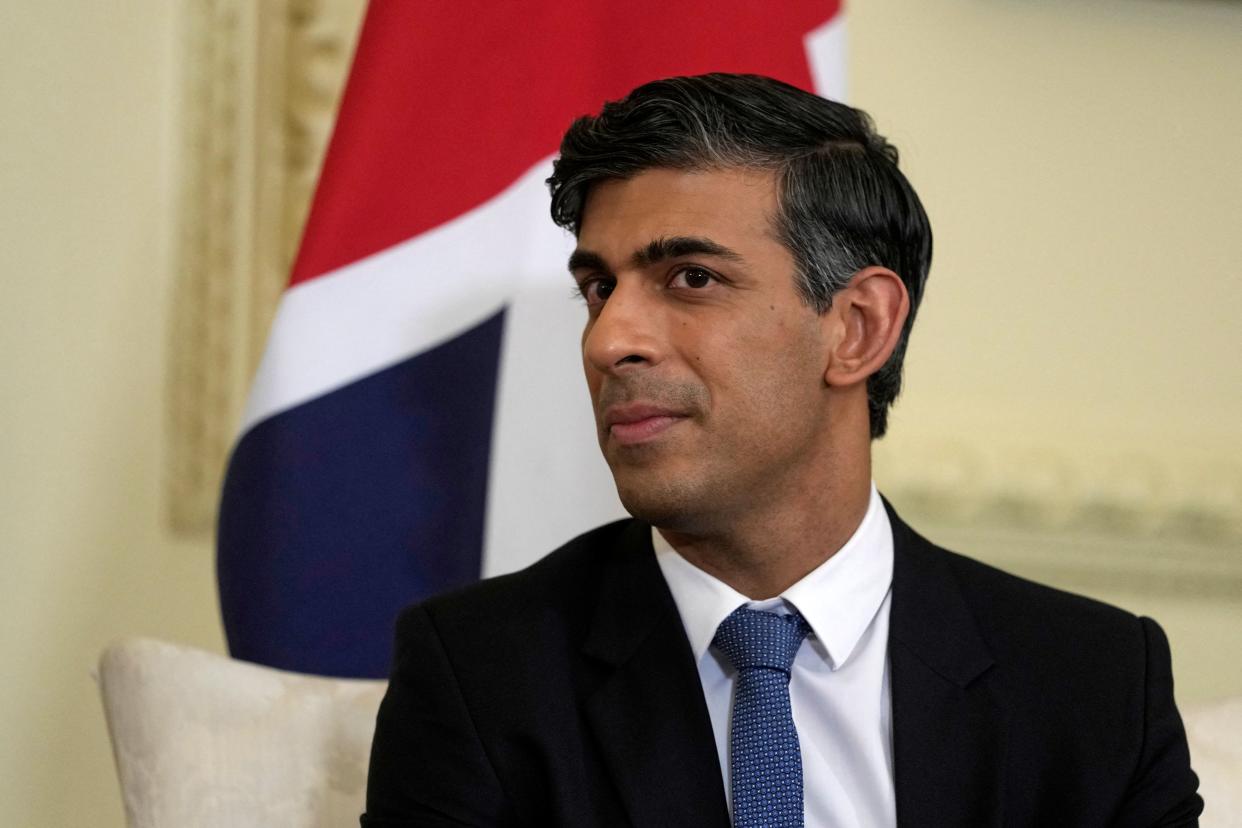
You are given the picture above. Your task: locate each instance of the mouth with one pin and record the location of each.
(635, 423)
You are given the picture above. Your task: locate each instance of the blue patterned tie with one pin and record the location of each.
(765, 762)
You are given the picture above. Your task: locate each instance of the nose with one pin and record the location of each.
(623, 336)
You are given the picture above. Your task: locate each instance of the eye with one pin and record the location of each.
(595, 290)
(695, 278)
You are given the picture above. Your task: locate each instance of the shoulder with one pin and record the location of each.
(1047, 639)
(1086, 688)
(557, 590)
(1026, 607)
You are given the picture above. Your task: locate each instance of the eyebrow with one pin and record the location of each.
(657, 250)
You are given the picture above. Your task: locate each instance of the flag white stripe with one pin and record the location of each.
(389, 306)
(826, 55)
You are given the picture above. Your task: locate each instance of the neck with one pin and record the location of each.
(765, 550)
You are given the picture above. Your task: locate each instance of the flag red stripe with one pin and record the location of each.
(448, 103)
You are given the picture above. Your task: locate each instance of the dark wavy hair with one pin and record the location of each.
(843, 203)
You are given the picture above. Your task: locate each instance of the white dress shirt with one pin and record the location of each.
(839, 686)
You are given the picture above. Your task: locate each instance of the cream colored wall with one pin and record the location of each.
(1079, 163)
(87, 133)
(1074, 389)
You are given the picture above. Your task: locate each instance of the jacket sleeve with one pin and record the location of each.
(428, 765)
(1163, 788)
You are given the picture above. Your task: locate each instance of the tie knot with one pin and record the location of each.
(751, 638)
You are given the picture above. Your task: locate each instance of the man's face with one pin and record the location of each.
(705, 367)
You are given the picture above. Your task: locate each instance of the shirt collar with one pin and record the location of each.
(838, 598)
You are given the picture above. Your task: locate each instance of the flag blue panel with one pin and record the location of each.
(339, 512)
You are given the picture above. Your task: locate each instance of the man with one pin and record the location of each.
(780, 649)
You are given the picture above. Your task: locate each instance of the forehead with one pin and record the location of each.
(734, 207)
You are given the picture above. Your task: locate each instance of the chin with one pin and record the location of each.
(664, 503)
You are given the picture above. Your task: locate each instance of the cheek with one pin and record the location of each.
(778, 375)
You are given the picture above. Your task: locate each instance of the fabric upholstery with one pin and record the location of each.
(204, 740)
(1215, 735)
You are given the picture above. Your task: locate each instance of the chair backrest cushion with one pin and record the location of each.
(1215, 735)
(204, 741)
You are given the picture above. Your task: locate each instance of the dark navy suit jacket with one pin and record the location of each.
(567, 695)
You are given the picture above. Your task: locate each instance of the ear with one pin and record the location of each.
(866, 319)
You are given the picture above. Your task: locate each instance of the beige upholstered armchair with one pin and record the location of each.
(1215, 733)
(203, 741)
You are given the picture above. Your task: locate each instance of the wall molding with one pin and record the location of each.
(1114, 518)
(1126, 490)
(260, 86)
(1095, 562)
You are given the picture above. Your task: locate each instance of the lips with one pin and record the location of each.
(634, 423)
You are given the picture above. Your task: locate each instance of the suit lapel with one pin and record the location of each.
(648, 712)
(949, 729)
